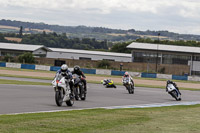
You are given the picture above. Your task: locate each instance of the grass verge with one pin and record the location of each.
(146, 120)
(4, 81)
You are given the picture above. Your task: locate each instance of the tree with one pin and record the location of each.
(20, 31)
(120, 48)
(8, 58)
(26, 58)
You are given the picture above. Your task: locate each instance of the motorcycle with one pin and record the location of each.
(62, 90)
(108, 83)
(78, 87)
(172, 90)
(128, 84)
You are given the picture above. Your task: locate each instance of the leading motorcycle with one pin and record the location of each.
(128, 84)
(62, 90)
(172, 90)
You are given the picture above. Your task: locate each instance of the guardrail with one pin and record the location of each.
(101, 71)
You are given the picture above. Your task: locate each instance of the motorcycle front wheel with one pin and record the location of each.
(59, 98)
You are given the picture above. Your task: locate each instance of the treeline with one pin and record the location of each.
(60, 29)
(168, 42)
(58, 41)
(100, 33)
(62, 41)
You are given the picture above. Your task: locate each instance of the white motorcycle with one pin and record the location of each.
(172, 90)
(128, 84)
(62, 90)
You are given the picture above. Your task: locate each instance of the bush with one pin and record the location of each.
(8, 58)
(103, 64)
(162, 70)
(26, 58)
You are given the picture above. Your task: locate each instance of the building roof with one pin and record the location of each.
(22, 47)
(161, 47)
(89, 52)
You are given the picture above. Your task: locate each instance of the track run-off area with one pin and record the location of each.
(17, 99)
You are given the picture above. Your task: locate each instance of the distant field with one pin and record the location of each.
(115, 34)
(4, 28)
(143, 36)
(8, 27)
(7, 30)
(13, 39)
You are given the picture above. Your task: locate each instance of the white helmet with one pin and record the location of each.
(64, 68)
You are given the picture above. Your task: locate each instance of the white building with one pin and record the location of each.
(87, 55)
(166, 54)
(14, 49)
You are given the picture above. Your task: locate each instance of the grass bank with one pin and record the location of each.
(4, 81)
(147, 120)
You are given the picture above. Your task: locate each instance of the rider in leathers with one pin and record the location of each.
(171, 82)
(66, 73)
(81, 74)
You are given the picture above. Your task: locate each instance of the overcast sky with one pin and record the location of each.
(180, 16)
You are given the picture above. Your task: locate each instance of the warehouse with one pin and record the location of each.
(166, 54)
(14, 49)
(87, 55)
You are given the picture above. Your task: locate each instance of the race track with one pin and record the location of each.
(29, 98)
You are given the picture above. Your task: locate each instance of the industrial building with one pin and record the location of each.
(14, 49)
(166, 54)
(87, 55)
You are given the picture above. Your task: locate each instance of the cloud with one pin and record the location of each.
(139, 14)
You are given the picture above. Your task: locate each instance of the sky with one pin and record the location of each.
(180, 16)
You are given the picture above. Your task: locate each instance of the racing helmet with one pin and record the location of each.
(64, 68)
(76, 68)
(168, 81)
(126, 74)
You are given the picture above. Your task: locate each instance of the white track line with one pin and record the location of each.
(117, 107)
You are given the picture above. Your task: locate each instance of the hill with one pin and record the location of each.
(100, 33)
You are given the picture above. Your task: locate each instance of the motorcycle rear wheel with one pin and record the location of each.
(70, 102)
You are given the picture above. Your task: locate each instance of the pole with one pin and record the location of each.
(157, 54)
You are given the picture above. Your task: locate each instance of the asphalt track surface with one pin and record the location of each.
(31, 98)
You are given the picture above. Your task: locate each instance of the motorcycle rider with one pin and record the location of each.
(66, 73)
(81, 74)
(175, 85)
(126, 74)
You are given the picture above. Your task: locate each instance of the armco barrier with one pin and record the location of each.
(27, 66)
(164, 76)
(54, 68)
(148, 75)
(2, 64)
(103, 72)
(13, 65)
(194, 78)
(120, 73)
(176, 77)
(41, 67)
(135, 74)
(88, 71)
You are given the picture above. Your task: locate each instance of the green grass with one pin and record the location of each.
(4, 81)
(28, 70)
(28, 77)
(183, 119)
